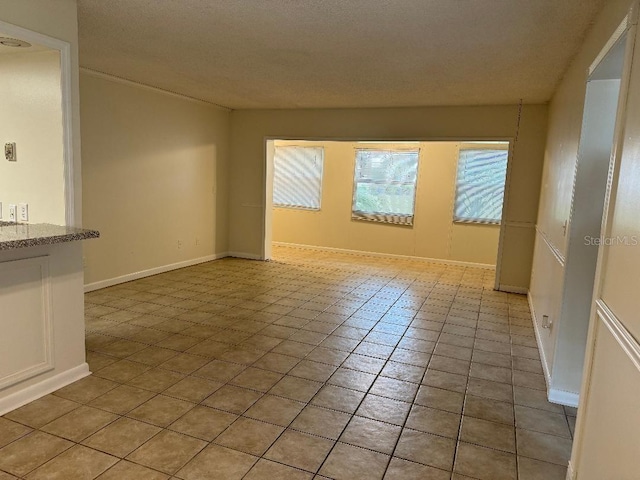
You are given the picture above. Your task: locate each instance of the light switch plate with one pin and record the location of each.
(23, 212)
(10, 151)
(13, 213)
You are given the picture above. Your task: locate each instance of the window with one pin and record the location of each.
(385, 185)
(480, 185)
(297, 177)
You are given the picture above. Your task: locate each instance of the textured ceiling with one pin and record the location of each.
(338, 53)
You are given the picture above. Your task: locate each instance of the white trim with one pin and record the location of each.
(269, 147)
(246, 256)
(144, 86)
(633, 13)
(513, 289)
(505, 200)
(554, 250)
(396, 140)
(67, 135)
(66, 106)
(40, 389)
(48, 363)
(563, 397)
(267, 210)
(617, 34)
(543, 357)
(516, 224)
(554, 395)
(386, 255)
(90, 287)
(607, 219)
(624, 338)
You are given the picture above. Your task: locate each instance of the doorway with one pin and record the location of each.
(415, 199)
(36, 69)
(583, 229)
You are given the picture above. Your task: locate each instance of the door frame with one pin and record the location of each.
(629, 27)
(66, 106)
(267, 227)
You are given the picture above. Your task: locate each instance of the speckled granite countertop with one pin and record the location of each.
(22, 235)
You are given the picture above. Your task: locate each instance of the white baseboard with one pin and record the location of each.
(513, 289)
(247, 256)
(554, 395)
(571, 475)
(51, 384)
(570, 399)
(543, 358)
(90, 287)
(387, 255)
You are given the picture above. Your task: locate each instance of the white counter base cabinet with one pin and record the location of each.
(26, 337)
(41, 322)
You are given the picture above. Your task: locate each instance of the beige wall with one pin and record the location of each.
(621, 263)
(606, 443)
(57, 19)
(565, 123)
(433, 235)
(251, 128)
(154, 177)
(31, 116)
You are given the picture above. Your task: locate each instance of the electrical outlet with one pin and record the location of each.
(10, 151)
(179, 244)
(23, 212)
(13, 213)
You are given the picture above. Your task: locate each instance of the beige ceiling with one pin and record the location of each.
(338, 53)
(34, 48)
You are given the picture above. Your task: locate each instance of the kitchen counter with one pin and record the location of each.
(22, 235)
(41, 310)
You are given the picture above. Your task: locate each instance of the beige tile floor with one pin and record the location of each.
(315, 365)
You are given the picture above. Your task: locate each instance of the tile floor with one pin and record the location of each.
(315, 365)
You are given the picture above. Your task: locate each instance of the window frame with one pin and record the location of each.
(495, 146)
(385, 217)
(320, 187)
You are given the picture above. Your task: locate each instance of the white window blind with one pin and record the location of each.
(385, 185)
(480, 185)
(297, 179)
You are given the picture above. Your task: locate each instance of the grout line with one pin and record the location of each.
(513, 397)
(464, 400)
(338, 295)
(391, 456)
(370, 386)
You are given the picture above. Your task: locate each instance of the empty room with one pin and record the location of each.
(319, 240)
